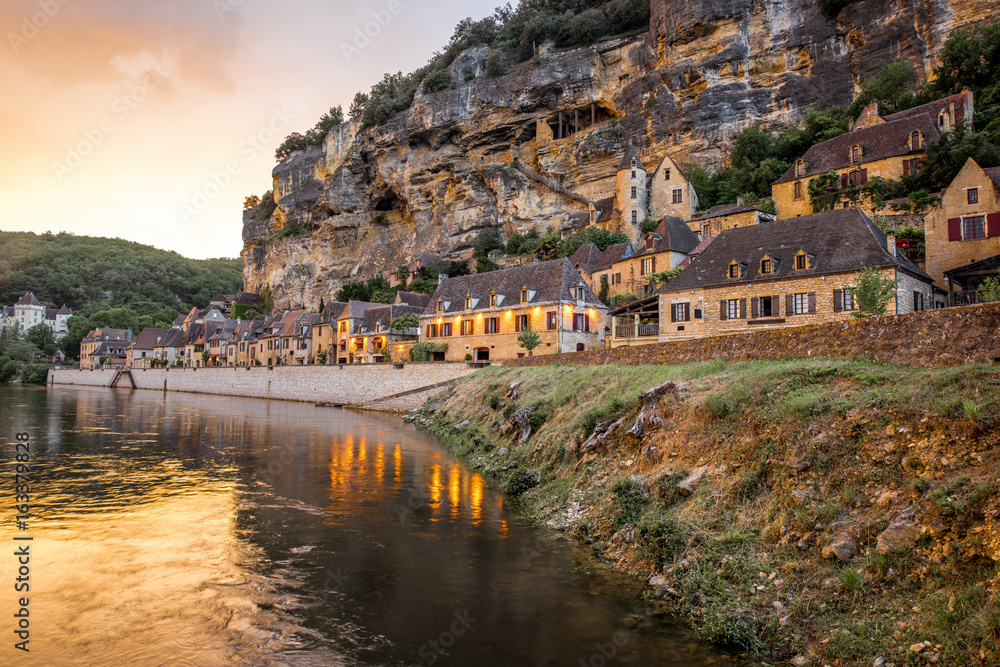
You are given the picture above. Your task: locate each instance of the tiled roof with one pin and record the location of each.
(839, 240)
(587, 257)
(671, 234)
(248, 299)
(878, 142)
(356, 309)
(109, 334)
(50, 313)
(934, 108)
(64, 310)
(575, 220)
(551, 282)
(612, 254)
(630, 153)
(605, 208)
(423, 259)
(174, 337)
(8, 311)
(412, 299)
(994, 174)
(148, 338)
(28, 300)
(385, 315)
(724, 209)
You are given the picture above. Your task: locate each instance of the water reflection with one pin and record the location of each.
(183, 529)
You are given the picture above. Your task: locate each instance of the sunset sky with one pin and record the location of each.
(119, 117)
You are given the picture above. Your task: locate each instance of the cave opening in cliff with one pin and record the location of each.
(567, 123)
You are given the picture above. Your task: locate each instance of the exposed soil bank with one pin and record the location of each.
(820, 512)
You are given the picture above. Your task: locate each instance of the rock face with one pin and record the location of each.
(431, 178)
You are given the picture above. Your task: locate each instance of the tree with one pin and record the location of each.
(322, 305)
(41, 337)
(605, 288)
(205, 356)
(663, 277)
(253, 201)
(321, 357)
(602, 238)
(529, 339)
(402, 273)
(292, 143)
(989, 289)
(893, 88)
(873, 291)
(407, 321)
(969, 59)
(485, 265)
(486, 242)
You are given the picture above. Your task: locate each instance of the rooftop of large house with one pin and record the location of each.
(380, 318)
(605, 208)
(547, 283)
(724, 209)
(148, 338)
(614, 253)
(835, 241)
(672, 234)
(412, 299)
(107, 334)
(28, 300)
(587, 257)
(877, 142)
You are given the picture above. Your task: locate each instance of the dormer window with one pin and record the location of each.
(468, 302)
(440, 306)
(803, 260)
(767, 266)
(649, 242)
(493, 299)
(524, 295)
(916, 143)
(735, 269)
(856, 154)
(944, 120)
(633, 163)
(800, 168)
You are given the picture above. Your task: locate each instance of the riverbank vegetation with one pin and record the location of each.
(828, 511)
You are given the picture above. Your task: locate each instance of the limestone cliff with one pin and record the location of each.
(433, 177)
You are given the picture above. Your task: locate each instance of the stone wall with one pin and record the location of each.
(355, 385)
(948, 337)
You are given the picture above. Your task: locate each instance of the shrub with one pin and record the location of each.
(423, 351)
(34, 374)
(718, 407)
(989, 290)
(518, 482)
(628, 500)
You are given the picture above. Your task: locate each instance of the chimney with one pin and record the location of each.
(739, 200)
(442, 277)
(890, 240)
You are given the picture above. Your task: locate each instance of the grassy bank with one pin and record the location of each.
(826, 512)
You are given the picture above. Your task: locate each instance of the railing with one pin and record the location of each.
(649, 330)
(967, 297)
(628, 329)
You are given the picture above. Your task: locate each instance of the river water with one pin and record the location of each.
(181, 529)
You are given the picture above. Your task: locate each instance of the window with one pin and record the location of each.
(432, 331)
(912, 166)
(918, 301)
(857, 178)
(849, 303)
(800, 303)
(648, 265)
(766, 265)
(801, 262)
(616, 278)
(798, 190)
(492, 325)
(550, 320)
(493, 299)
(915, 143)
(440, 306)
(735, 270)
(633, 163)
(731, 308)
(633, 192)
(856, 154)
(633, 178)
(524, 295)
(943, 120)
(974, 227)
(666, 174)
(681, 312)
(800, 168)
(972, 195)
(468, 302)
(678, 196)
(635, 217)
(521, 323)
(359, 344)
(446, 329)
(581, 322)
(766, 305)
(467, 327)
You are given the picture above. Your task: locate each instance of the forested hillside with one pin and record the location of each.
(90, 274)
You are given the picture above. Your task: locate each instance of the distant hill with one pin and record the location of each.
(91, 273)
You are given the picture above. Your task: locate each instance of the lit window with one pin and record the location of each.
(972, 195)
(521, 323)
(550, 320)
(467, 327)
(493, 299)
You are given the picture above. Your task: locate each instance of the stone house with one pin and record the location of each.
(28, 312)
(662, 249)
(104, 342)
(888, 147)
(782, 274)
(586, 260)
(729, 216)
(274, 343)
(481, 315)
(169, 345)
(379, 340)
(350, 342)
(964, 226)
(324, 328)
(142, 350)
(640, 196)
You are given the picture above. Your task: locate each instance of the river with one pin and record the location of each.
(182, 529)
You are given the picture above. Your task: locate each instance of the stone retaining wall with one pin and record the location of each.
(355, 385)
(948, 337)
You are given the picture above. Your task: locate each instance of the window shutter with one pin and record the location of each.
(843, 181)
(916, 300)
(652, 261)
(838, 300)
(789, 305)
(673, 313)
(906, 167)
(775, 306)
(586, 322)
(687, 312)
(864, 177)
(993, 225)
(723, 308)
(753, 308)
(954, 229)
(812, 303)
(743, 309)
